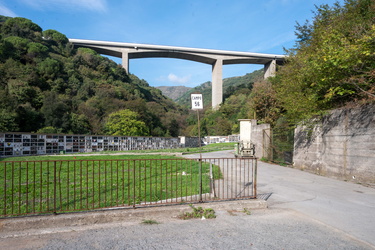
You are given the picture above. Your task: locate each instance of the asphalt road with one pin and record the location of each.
(263, 229)
(305, 211)
(345, 206)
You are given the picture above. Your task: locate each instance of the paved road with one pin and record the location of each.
(306, 211)
(345, 206)
(266, 229)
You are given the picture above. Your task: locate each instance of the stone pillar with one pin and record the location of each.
(259, 135)
(245, 129)
(270, 69)
(125, 61)
(217, 83)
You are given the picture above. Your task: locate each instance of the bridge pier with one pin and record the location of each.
(217, 83)
(217, 80)
(125, 61)
(270, 69)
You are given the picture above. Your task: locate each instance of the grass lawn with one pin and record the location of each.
(46, 184)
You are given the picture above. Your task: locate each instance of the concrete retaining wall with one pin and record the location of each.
(341, 145)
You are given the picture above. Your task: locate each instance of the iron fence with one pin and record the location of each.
(43, 187)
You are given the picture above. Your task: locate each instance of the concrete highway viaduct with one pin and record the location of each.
(216, 58)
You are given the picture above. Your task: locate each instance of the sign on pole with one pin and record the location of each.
(197, 104)
(196, 101)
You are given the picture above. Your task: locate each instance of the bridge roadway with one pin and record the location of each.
(216, 58)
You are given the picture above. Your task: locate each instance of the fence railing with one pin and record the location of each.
(42, 187)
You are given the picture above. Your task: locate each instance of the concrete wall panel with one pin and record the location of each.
(340, 145)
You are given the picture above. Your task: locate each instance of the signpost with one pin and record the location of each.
(196, 101)
(197, 104)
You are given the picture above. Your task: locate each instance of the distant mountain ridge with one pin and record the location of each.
(173, 92)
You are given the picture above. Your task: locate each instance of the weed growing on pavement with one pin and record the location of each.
(246, 211)
(198, 212)
(150, 222)
(233, 212)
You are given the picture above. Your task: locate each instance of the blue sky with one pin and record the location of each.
(263, 26)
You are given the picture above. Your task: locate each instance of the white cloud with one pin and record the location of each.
(91, 5)
(6, 12)
(180, 80)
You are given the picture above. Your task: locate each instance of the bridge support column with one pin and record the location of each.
(125, 61)
(270, 69)
(217, 83)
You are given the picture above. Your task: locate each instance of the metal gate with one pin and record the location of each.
(278, 145)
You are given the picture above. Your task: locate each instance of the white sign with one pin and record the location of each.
(196, 101)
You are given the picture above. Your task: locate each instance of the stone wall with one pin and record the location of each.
(340, 145)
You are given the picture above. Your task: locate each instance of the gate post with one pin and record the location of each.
(255, 177)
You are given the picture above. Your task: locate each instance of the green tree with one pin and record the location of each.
(263, 104)
(235, 107)
(173, 128)
(333, 62)
(49, 130)
(8, 121)
(125, 122)
(223, 127)
(80, 124)
(21, 27)
(18, 45)
(28, 119)
(56, 36)
(55, 111)
(37, 50)
(6, 50)
(49, 68)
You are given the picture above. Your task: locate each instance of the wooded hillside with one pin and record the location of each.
(173, 92)
(332, 63)
(48, 86)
